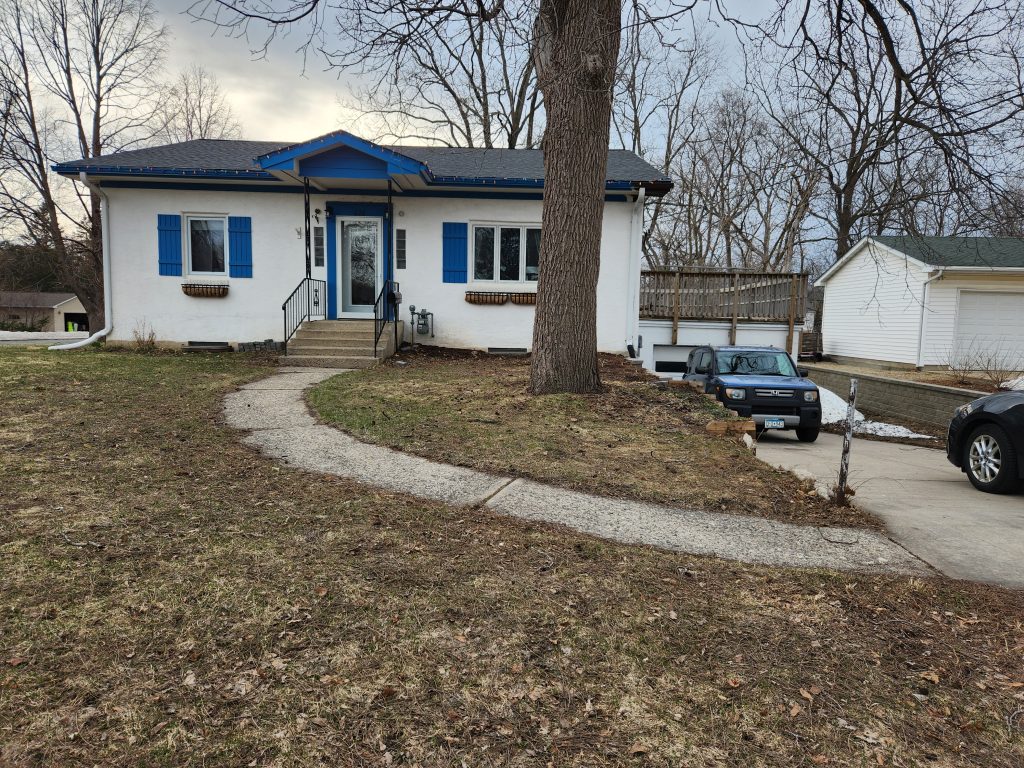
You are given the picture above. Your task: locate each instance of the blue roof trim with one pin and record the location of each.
(471, 181)
(114, 170)
(279, 188)
(339, 138)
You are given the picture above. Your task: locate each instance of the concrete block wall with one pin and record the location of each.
(897, 399)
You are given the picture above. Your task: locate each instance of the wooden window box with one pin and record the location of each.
(528, 297)
(205, 290)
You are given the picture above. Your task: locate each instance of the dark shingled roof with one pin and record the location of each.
(982, 252)
(33, 299)
(443, 162)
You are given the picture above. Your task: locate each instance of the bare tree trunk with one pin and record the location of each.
(577, 49)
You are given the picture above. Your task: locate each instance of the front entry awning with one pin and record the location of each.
(339, 158)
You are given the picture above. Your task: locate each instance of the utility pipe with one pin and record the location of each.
(636, 236)
(108, 316)
(924, 317)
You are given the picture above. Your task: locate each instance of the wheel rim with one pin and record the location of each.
(985, 458)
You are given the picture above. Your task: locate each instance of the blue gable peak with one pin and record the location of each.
(345, 147)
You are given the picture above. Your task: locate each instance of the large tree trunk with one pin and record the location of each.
(577, 50)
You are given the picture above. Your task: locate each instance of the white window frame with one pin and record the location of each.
(189, 218)
(323, 246)
(405, 247)
(497, 226)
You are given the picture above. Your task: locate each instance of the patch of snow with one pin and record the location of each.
(833, 411)
(1017, 384)
(887, 430)
(833, 407)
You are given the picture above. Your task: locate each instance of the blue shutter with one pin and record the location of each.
(168, 227)
(240, 246)
(455, 253)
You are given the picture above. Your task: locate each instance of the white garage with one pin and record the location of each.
(926, 301)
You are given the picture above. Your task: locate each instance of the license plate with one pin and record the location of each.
(774, 423)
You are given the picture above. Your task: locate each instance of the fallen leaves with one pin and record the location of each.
(810, 693)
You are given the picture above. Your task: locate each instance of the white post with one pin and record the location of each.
(844, 464)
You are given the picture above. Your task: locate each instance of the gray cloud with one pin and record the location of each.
(272, 97)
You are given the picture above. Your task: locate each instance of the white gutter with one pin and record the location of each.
(636, 232)
(924, 317)
(108, 315)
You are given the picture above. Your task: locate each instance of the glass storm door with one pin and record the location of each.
(360, 263)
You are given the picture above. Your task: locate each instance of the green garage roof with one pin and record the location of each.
(981, 252)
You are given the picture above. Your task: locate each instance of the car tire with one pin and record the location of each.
(808, 435)
(990, 461)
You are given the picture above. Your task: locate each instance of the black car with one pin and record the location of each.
(759, 383)
(986, 440)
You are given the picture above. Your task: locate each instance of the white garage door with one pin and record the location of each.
(992, 325)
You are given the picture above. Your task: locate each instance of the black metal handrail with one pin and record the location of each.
(385, 299)
(308, 300)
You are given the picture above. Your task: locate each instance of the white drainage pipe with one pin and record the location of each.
(108, 315)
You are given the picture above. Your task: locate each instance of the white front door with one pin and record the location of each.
(359, 257)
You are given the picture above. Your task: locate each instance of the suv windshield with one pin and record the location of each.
(757, 362)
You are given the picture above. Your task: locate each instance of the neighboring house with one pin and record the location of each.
(926, 301)
(225, 221)
(45, 311)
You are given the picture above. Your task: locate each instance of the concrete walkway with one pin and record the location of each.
(274, 415)
(927, 504)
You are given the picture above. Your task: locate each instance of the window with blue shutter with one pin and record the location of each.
(455, 253)
(169, 240)
(240, 246)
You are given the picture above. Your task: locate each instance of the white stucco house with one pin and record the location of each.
(925, 301)
(209, 240)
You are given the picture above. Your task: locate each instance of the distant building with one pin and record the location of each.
(926, 302)
(43, 311)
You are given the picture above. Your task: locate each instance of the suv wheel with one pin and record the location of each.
(808, 435)
(990, 461)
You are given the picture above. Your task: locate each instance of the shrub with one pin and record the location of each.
(145, 337)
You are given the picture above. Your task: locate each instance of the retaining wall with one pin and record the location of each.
(896, 399)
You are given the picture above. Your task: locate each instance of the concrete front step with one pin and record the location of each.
(327, 361)
(334, 336)
(338, 324)
(335, 344)
(319, 348)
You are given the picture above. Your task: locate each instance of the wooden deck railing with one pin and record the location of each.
(723, 296)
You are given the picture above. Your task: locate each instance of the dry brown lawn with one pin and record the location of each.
(171, 597)
(632, 440)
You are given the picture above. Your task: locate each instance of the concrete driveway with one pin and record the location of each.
(927, 504)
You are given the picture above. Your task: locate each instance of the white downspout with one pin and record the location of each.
(924, 316)
(636, 232)
(108, 315)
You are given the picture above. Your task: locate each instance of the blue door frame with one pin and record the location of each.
(370, 210)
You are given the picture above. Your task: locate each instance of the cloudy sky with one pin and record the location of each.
(272, 98)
